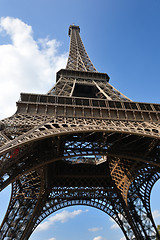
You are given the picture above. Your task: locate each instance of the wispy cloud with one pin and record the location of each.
(114, 224)
(95, 229)
(51, 239)
(156, 214)
(26, 65)
(61, 217)
(99, 238)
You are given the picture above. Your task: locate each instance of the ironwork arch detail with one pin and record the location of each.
(107, 207)
(52, 128)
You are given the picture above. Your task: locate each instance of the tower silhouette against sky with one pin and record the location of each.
(82, 143)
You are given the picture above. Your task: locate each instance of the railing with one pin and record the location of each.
(87, 108)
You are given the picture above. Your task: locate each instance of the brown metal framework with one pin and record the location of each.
(82, 143)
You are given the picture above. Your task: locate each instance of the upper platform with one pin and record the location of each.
(103, 77)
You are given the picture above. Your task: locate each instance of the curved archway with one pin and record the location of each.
(62, 126)
(80, 222)
(5, 196)
(103, 143)
(155, 207)
(82, 144)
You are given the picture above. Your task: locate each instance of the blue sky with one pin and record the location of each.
(122, 38)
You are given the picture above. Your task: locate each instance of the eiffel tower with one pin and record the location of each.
(82, 143)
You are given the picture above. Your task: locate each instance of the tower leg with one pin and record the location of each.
(139, 204)
(25, 195)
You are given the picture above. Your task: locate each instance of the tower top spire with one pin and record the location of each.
(80, 78)
(71, 27)
(78, 58)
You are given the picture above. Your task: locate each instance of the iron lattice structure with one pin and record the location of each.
(82, 143)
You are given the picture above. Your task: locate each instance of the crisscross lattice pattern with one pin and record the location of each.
(78, 58)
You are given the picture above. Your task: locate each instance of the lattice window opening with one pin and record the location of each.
(3, 178)
(87, 159)
(86, 145)
(82, 151)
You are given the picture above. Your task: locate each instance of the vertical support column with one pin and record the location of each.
(139, 204)
(25, 194)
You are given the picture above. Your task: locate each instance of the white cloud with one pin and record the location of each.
(98, 238)
(52, 239)
(61, 217)
(114, 224)
(26, 65)
(95, 229)
(156, 214)
(123, 238)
